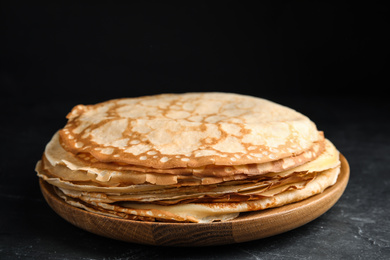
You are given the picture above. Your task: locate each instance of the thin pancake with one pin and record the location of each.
(208, 212)
(65, 165)
(328, 159)
(188, 130)
(193, 157)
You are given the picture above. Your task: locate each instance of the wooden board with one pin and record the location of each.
(248, 226)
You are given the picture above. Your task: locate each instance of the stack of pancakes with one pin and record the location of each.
(193, 157)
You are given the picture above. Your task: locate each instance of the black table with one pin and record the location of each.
(358, 226)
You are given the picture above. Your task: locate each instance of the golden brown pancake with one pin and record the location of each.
(193, 157)
(188, 130)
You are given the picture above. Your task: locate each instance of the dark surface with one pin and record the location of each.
(326, 61)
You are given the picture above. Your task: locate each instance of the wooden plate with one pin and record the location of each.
(248, 226)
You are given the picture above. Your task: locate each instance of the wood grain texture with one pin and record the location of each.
(248, 226)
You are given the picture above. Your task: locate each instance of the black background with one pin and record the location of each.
(329, 61)
(89, 53)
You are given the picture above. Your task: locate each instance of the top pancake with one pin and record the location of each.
(188, 130)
